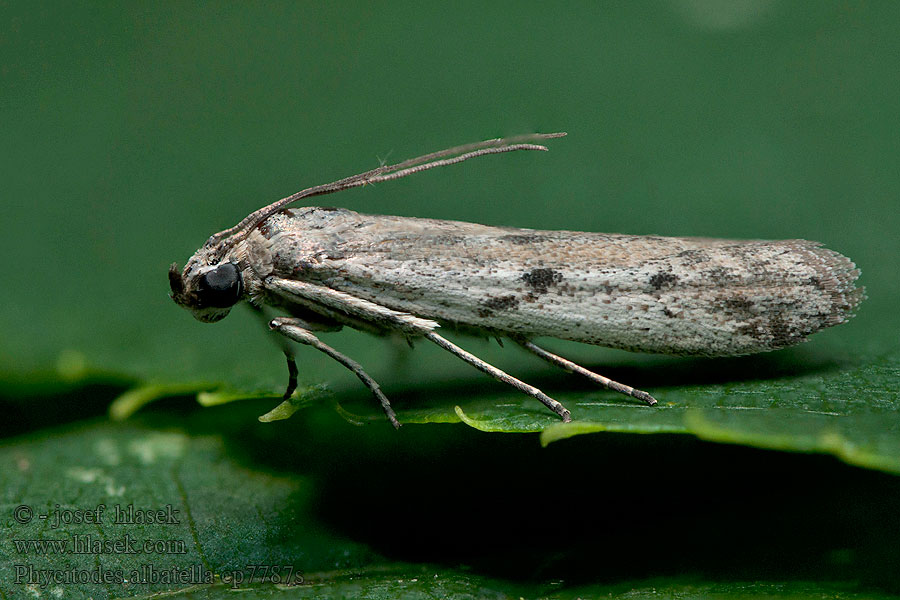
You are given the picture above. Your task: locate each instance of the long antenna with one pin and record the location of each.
(442, 158)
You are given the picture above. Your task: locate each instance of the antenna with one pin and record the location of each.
(442, 158)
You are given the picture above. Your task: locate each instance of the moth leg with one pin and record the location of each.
(321, 296)
(499, 375)
(293, 372)
(568, 365)
(291, 328)
(335, 303)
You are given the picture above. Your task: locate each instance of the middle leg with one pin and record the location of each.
(568, 365)
(499, 375)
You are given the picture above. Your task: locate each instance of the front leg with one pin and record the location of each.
(311, 325)
(334, 304)
(292, 329)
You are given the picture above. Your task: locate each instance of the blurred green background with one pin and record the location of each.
(132, 131)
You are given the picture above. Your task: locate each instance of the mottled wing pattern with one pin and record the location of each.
(653, 294)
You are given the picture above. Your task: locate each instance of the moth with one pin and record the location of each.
(325, 268)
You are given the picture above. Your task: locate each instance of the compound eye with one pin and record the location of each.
(221, 287)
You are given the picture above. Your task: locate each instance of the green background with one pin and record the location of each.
(131, 132)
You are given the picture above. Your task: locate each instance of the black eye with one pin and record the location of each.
(220, 288)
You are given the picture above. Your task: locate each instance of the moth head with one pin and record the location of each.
(208, 291)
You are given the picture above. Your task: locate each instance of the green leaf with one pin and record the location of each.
(430, 511)
(832, 410)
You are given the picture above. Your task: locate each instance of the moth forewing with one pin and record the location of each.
(329, 267)
(647, 293)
